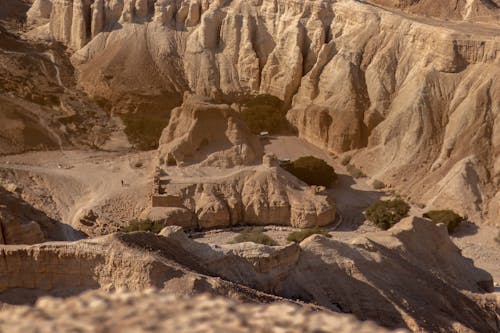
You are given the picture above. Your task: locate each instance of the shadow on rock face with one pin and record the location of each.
(378, 282)
(351, 202)
(21, 223)
(28, 296)
(466, 228)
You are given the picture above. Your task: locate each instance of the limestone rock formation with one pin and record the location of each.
(354, 277)
(257, 266)
(160, 312)
(108, 263)
(415, 95)
(476, 10)
(414, 247)
(40, 107)
(21, 223)
(256, 195)
(411, 277)
(208, 134)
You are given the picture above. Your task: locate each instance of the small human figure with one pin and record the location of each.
(123, 183)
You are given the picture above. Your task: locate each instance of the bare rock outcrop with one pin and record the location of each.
(345, 276)
(415, 95)
(255, 195)
(21, 223)
(372, 277)
(208, 134)
(160, 312)
(109, 263)
(475, 10)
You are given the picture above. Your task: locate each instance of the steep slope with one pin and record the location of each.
(371, 278)
(40, 104)
(477, 10)
(415, 94)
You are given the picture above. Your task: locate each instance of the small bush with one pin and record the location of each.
(144, 129)
(265, 113)
(299, 236)
(144, 225)
(355, 172)
(254, 235)
(313, 171)
(378, 185)
(386, 213)
(448, 217)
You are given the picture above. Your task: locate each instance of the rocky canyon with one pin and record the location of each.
(210, 165)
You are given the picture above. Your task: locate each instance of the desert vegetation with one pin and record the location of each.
(313, 171)
(254, 235)
(378, 185)
(386, 213)
(265, 113)
(447, 217)
(144, 129)
(300, 235)
(144, 225)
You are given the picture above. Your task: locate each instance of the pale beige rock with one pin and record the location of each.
(172, 216)
(255, 195)
(357, 76)
(162, 312)
(39, 12)
(210, 134)
(372, 277)
(413, 248)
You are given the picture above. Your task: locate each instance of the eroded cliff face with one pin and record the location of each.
(408, 94)
(372, 277)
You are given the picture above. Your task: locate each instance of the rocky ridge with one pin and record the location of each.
(407, 94)
(372, 277)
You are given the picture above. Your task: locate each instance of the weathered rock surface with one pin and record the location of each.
(413, 276)
(40, 107)
(475, 10)
(372, 277)
(208, 134)
(423, 262)
(255, 195)
(108, 263)
(21, 223)
(162, 312)
(414, 94)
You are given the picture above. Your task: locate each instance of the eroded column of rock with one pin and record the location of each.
(61, 20)
(80, 26)
(97, 22)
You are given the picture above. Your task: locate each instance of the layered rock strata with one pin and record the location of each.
(414, 94)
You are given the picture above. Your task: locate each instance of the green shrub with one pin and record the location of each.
(299, 236)
(355, 172)
(265, 113)
(144, 225)
(386, 213)
(143, 129)
(313, 171)
(448, 217)
(254, 235)
(378, 185)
